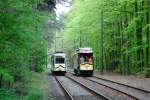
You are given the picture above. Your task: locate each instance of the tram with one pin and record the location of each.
(82, 61)
(58, 63)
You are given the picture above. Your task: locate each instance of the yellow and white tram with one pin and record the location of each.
(58, 63)
(83, 62)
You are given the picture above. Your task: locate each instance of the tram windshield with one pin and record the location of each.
(59, 60)
(86, 58)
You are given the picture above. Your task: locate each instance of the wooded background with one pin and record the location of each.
(117, 30)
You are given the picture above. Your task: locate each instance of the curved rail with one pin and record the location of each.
(139, 89)
(146, 94)
(137, 97)
(68, 95)
(91, 90)
(113, 88)
(146, 91)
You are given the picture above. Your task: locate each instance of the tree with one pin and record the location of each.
(125, 31)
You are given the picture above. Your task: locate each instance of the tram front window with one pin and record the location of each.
(86, 58)
(60, 60)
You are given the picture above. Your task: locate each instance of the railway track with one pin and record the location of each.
(82, 90)
(67, 94)
(109, 93)
(140, 89)
(135, 92)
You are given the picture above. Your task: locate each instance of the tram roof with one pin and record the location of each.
(84, 50)
(59, 53)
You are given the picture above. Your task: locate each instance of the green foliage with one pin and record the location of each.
(125, 32)
(5, 75)
(7, 94)
(35, 94)
(31, 89)
(22, 41)
(146, 72)
(34, 87)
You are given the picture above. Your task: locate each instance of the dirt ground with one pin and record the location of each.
(140, 82)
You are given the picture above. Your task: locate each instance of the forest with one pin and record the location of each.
(117, 30)
(23, 47)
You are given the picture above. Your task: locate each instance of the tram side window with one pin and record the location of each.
(52, 60)
(60, 60)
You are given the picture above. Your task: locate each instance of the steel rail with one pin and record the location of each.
(109, 87)
(139, 89)
(90, 90)
(68, 95)
(114, 89)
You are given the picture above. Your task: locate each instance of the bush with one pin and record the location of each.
(35, 94)
(8, 94)
(146, 72)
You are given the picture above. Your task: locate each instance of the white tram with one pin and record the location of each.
(83, 62)
(58, 63)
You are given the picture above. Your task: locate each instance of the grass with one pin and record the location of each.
(31, 89)
(35, 87)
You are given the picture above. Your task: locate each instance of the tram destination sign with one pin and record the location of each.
(84, 50)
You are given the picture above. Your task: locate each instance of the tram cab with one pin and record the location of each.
(58, 63)
(83, 62)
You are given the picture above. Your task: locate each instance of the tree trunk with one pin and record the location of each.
(138, 36)
(101, 44)
(1, 77)
(126, 20)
